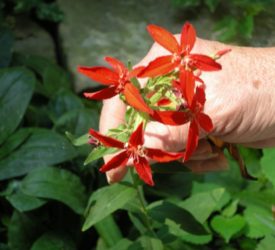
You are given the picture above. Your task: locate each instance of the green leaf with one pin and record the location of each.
(176, 230)
(231, 209)
(260, 222)
(165, 210)
(14, 141)
(205, 199)
(267, 243)
(148, 243)
(57, 184)
(43, 148)
(23, 230)
(54, 77)
(267, 163)
(121, 245)
(19, 200)
(6, 43)
(105, 201)
(108, 231)
(53, 241)
(99, 152)
(82, 140)
(16, 88)
(228, 227)
(77, 122)
(62, 102)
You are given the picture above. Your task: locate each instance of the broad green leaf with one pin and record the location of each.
(121, 245)
(148, 243)
(99, 152)
(82, 140)
(14, 141)
(165, 210)
(6, 42)
(53, 77)
(19, 200)
(175, 229)
(267, 243)
(138, 221)
(108, 231)
(267, 163)
(260, 222)
(23, 230)
(16, 89)
(53, 241)
(105, 201)
(205, 199)
(228, 227)
(263, 198)
(43, 148)
(77, 122)
(62, 102)
(56, 184)
(231, 209)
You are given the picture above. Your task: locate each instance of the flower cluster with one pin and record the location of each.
(174, 95)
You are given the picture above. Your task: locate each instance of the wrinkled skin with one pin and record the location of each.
(239, 99)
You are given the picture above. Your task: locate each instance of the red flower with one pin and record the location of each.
(193, 104)
(135, 151)
(197, 119)
(181, 56)
(118, 81)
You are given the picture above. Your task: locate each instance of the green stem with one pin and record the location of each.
(143, 204)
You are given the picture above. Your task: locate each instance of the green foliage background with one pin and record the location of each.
(50, 200)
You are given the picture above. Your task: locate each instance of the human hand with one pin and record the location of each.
(237, 102)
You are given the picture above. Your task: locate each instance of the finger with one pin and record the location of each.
(267, 143)
(112, 115)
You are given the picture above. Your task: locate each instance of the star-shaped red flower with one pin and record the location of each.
(181, 56)
(118, 81)
(134, 150)
(193, 105)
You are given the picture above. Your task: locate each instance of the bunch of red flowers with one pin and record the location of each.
(174, 95)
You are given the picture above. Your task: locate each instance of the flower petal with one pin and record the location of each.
(203, 62)
(118, 66)
(188, 37)
(164, 38)
(160, 66)
(187, 82)
(106, 140)
(162, 156)
(100, 74)
(192, 140)
(199, 98)
(173, 118)
(101, 94)
(205, 122)
(118, 160)
(134, 98)
(137, 137)
(144, 170)
(136, 71)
